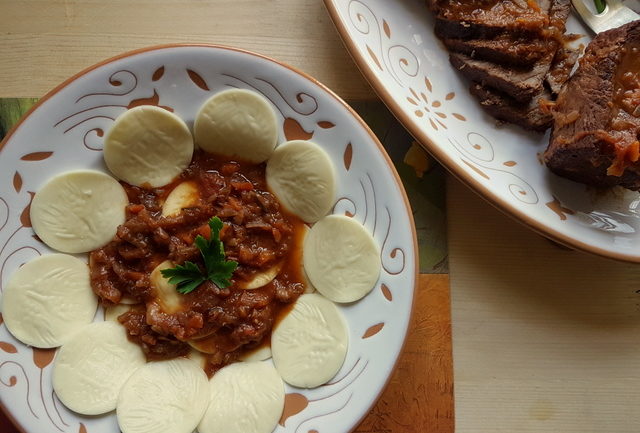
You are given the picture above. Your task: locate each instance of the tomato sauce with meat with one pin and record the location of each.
(257, 233)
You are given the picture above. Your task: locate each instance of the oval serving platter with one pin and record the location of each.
(65, 131)
(395, 48)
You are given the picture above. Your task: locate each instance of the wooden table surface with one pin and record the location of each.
(44, 42)
(544, 339)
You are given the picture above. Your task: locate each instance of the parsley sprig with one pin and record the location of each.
(189, 276)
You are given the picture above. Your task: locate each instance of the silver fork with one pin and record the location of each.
(614, 15)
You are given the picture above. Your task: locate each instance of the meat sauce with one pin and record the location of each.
(625, 120)
(627, 81)
(526, 14)
(257, 234)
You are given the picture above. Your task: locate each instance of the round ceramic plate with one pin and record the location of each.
(65, 131)
(394, 45)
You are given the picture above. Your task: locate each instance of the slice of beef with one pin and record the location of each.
(596, 132)
(504, 49)
(515, 46)
(524, 82)
(467, 19)
(563, 63)
(528, 115)
(519, 83)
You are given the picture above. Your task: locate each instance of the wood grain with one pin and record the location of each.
(545, 339)
(43, 42)
(419, 396)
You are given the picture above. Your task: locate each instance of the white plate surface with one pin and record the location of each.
(394, 45)
(65, 131)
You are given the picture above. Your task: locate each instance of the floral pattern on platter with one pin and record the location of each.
(424, 107)
(432, 110)
(74, 121)
(395, 47)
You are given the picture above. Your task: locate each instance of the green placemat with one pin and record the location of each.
(422, 177)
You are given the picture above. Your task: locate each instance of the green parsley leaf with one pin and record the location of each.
(222, 273)
(189, 276)
(600, 5)
(190, 286)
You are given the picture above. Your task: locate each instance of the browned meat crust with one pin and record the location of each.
(595, 134)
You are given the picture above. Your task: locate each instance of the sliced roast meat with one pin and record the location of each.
(505, 108)
(563, 63)
(513, 52)
(514, 47)
(533, 114)
(503, 49)
(596, 132)
(520, 84)
(468, 19)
